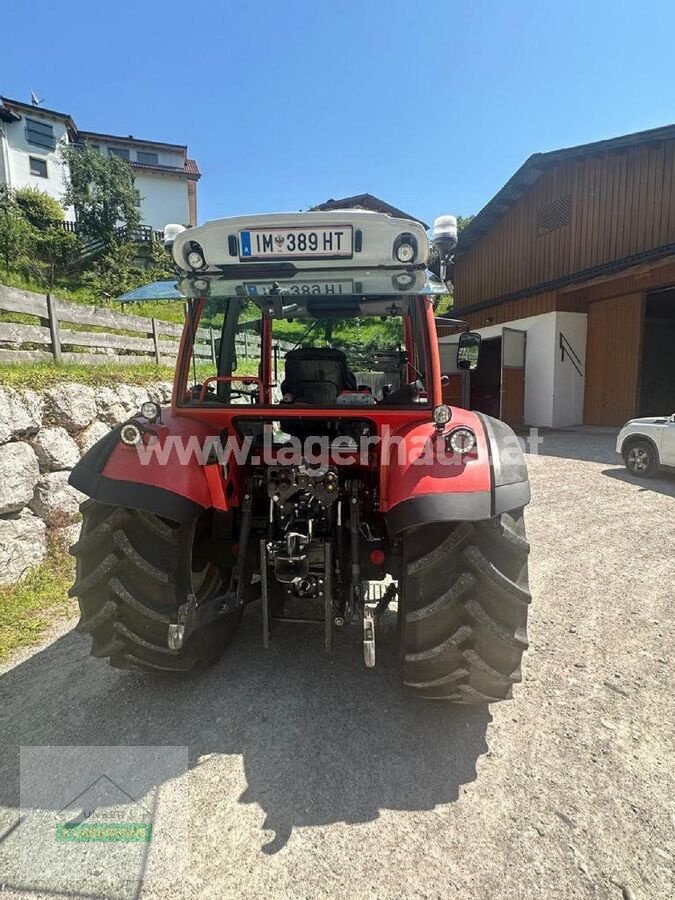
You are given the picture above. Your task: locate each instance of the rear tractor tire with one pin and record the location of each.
(134, 570)
(465, 605)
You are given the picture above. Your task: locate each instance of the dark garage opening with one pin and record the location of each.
(486, 380)
(657, 376)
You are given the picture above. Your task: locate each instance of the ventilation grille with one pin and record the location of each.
(554, 215)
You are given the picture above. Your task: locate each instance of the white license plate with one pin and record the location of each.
(304, 288)
(296, 243)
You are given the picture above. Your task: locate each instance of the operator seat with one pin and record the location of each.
(316, 375)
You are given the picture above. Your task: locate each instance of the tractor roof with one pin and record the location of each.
(332, 239)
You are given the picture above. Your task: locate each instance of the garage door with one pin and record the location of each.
(613, 349)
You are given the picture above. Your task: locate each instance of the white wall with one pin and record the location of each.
(18, 162)
(568, 389)
(554, 391)
(164, 199)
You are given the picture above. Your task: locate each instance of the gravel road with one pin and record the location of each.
(311, 777)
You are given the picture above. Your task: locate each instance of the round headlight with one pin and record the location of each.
(150, 410)
(195, 259)
(442, 414)
(463, 441)
(131, 435)
(405, 253)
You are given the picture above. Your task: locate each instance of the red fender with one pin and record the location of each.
(169, 475)
(425, 483)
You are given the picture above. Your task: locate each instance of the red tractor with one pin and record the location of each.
(308, 464)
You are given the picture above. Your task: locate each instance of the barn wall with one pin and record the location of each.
(578, 215)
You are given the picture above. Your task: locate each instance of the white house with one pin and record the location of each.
(30, 137)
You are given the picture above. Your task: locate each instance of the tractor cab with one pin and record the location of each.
(311, 310)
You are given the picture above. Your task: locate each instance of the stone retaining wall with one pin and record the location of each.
(42, 436)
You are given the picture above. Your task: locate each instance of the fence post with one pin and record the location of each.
(245, 345)
(213, 346)
(155, 338)
(53, 321)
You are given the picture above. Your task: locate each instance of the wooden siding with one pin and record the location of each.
(620, 203)
(613, 352)
(512, 310)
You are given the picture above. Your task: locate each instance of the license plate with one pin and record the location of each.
(305, 288)
(296, 243)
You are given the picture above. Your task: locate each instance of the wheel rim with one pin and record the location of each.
(638, 459)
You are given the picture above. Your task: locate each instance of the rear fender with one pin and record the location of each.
(173, 477)
(424, 486)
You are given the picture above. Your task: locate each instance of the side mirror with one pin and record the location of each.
(468, 350)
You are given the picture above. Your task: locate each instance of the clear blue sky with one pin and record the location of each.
(285, 104)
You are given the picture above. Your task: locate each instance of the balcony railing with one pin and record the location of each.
(142, 234)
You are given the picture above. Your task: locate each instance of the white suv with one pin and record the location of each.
(647, 445)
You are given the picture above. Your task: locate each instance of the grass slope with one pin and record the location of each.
(28, 607)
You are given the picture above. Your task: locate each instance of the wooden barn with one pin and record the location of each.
(569, 275)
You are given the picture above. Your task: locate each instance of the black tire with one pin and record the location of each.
(641, 459)
(465, 599)
(134, 570)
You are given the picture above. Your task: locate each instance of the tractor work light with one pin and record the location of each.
(151, 410)
(462, 441)
(441, 415)
(195, 259)
(131, 435)
(405, 248)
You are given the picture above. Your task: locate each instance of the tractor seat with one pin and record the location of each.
(316, 375)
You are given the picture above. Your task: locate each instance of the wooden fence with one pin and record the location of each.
(54, 338)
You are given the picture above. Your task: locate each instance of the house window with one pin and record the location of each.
(40, 133)
(118, 151)
(147, 159)
(38, 166)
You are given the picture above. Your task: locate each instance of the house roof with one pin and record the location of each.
(130, 139)
(189, 170)
(539, 163)
(13, 105)
(7, 114)
(370, 202)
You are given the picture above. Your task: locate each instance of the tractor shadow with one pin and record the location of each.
(322, 739)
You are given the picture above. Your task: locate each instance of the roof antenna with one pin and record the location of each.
(35, 100)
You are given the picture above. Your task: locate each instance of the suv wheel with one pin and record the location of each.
(640, 458)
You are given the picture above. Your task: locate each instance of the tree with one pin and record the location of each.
(16, 235)
(56, 251)
(101, 190)
(463, 221)
(38, 208)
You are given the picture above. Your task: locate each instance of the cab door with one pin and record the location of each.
(512, 391)
(456, 390)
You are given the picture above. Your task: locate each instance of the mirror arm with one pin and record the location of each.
(451, 323)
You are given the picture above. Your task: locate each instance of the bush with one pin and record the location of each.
(39, 209)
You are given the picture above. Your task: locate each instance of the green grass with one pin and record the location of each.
(42, 375)
(29, 607)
